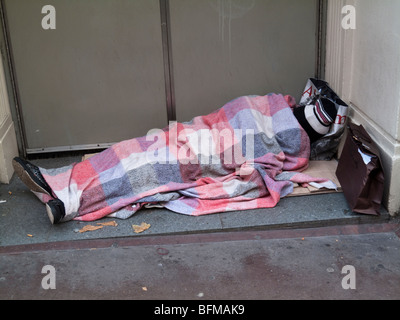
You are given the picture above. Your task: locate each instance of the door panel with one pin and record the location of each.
(99, 77)
(96, 79)
(223, 49)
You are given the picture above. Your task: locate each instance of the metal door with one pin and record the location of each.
(223, 49)
(96, 79)
(114, 69)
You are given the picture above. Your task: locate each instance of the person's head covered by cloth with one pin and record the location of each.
(317, 118)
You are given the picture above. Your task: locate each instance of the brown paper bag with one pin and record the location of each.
(360, 172)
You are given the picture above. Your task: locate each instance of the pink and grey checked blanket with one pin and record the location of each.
(246, 155)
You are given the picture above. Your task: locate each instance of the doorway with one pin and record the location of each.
(112, 70)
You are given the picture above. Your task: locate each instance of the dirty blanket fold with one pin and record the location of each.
(246, 155)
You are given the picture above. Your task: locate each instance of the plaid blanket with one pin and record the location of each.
(246, 155)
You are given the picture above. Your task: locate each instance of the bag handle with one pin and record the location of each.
(361, 136)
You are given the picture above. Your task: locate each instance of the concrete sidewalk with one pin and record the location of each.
(296, 250)
(23, 218)
(274, 264)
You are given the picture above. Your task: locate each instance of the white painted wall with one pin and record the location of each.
(363, 65)
(376, 63)
(8, 141)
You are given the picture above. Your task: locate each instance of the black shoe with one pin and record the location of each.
(31, 176)
(55, 210)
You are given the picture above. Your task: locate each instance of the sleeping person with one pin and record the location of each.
(248, 154)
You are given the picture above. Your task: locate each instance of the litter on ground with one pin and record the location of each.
(139, 229)
(99, 226)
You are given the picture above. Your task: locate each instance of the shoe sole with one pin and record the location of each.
(27, 179)
(50, 213)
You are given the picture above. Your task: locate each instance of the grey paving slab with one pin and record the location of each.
(23, 218)
(247, 269)
(310, 211)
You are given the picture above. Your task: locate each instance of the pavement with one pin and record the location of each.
(310, 247)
